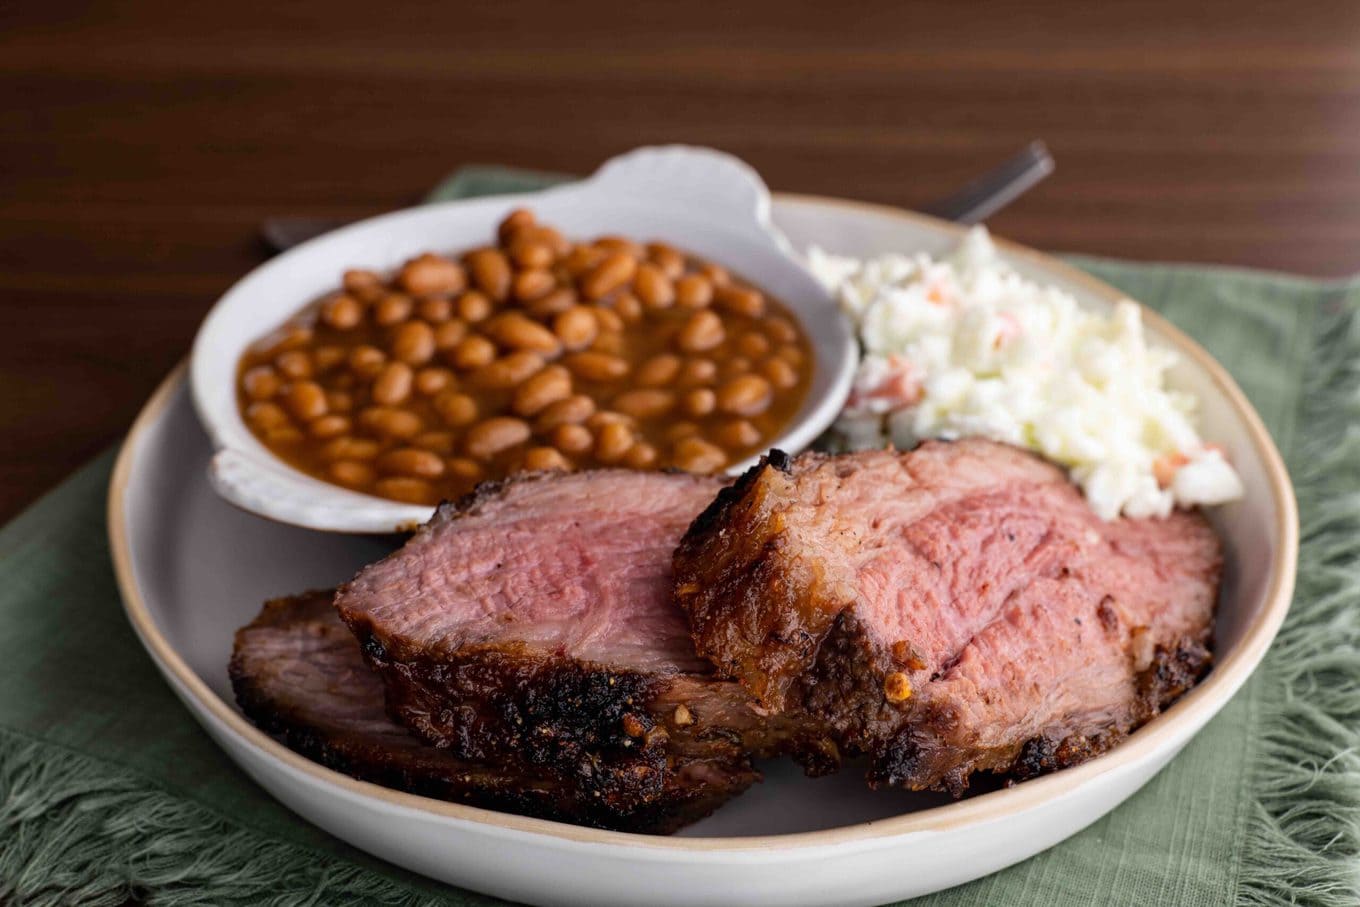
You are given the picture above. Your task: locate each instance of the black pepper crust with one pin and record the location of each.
(641, 794)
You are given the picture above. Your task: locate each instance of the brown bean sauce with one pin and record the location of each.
(534, 353)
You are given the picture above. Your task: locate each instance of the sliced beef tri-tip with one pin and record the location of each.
(953, 609)
(532, 623)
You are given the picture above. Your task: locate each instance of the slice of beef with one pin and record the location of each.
(953, 609)
(533, 622)
(298, 674)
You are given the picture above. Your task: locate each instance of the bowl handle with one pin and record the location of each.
(720, 185)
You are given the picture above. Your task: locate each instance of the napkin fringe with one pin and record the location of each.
(83, 831)
(1303, 843)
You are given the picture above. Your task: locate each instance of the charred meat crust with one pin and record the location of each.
(752, 614)
(774, 601)
(397, 760)
(607, 730)
(918, 758)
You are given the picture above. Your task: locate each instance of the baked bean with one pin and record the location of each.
(440, 442)
(703, 331)
(619, 244)
(353, 473)
(699, 402)
(734, 366)
(430, 274)
(740, 300)
(499, 433)
(658, 371)
(753, 344)
(669, 260)
(608, 320)
(550, 237)
(576, 328)
(450, 334)
(345, 448)
(456, 409)
(653, 287)
(490, 272)
(474, 352)
(465, 469)
(545, 458)
(417, 384)
(645, 403)
(582, 259)
(328, 357)
(558, 300)
(606, 416)
(507, 371)
(435, 309)
(363, 284)
(612, 441)
(572, 439)
(679, 430)
(305, 400)
(294, 364)
(693, 291)
(694, 454)
(329, 426)
(514, 331)
(614, 271)
(413, 343)
(261, 382)
(533, 284)
(610, 344)
(432, 380)
(593, 366)
(474, 306)
(745, 395)
(394, 308)
(515, 221)
(698, 372)
(412, 461)
(716, 274)
(393, 384)
(549, 386)
(781, 330)
(737, 434)
(389, 422)
(342, 312)
(406, 489)
(264, 415)
(628, 307)
(293, 337)
(576, 408)
(779, 373)
(640, 456)
(531, 253)
(366, 361)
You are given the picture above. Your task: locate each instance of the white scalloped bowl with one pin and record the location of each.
(700, 200)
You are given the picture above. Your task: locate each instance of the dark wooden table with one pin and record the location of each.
(143, 142)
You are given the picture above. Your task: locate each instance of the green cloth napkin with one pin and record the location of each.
(109, 791)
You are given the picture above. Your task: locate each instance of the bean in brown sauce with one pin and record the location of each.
(532, 354)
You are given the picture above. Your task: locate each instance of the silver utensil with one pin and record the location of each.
(971, 204)
(996, 188)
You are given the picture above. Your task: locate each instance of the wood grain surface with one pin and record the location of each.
(143, 142)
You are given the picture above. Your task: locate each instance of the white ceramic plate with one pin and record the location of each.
(192, 569)
(698, 199)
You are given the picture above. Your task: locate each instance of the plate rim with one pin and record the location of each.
(1199, 704)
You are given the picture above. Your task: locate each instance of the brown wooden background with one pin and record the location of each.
(142, 142)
